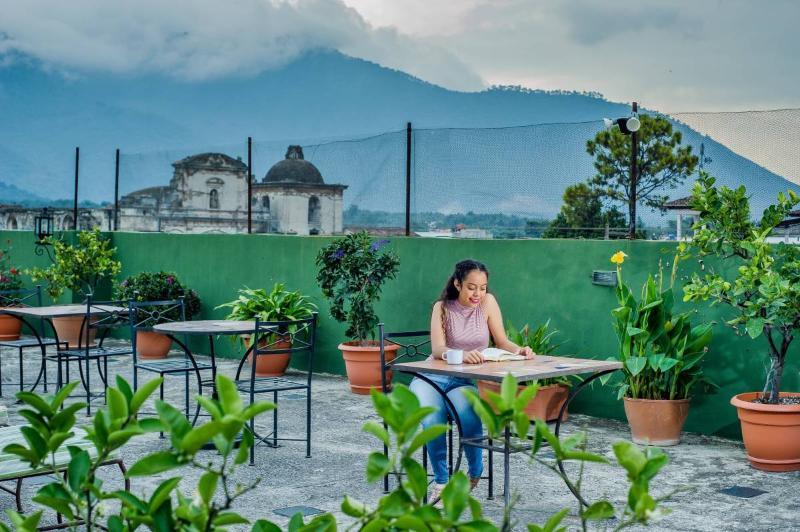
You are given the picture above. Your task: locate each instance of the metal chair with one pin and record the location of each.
(26, 298)
(414, 345)
(142, 316)
(279, 338)
(101, 317)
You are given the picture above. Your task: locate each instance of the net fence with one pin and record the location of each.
(507, 182)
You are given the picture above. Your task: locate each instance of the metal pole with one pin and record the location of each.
(408, 179)
(116, 191)
(634, 178)
(249, 185)
(75, 199)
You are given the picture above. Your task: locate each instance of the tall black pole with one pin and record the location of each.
(249, 185)
(634, 178)
(116, 191)
(408, 179)
(75, 201)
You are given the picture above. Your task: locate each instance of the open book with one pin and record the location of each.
(494, 354)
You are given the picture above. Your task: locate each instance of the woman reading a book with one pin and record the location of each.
(465, 317)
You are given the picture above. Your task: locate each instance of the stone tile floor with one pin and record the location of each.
(339, 451)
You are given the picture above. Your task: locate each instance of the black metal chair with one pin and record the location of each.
(414, 345)
(31, 297)
(142, 316)
(100, 319)
(279, 338)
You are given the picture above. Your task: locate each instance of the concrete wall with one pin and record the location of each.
(534, 280)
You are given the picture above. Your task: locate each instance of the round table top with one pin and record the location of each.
(206, 327)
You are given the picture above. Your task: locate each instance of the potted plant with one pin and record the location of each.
(661, 355)
(553, 392)
(351, 272)
(10, 279)
(156, 286)
(763, 289)
(78, 267)
(278, 304)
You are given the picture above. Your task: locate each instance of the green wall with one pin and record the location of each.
(534, 280)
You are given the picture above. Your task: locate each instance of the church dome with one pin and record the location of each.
(294, 169)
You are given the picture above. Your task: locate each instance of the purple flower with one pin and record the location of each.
(124, 283)
(337, 255)
(377, 245)
(170, 279)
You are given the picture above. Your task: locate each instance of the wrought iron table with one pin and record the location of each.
(540, 367)
(48, 313)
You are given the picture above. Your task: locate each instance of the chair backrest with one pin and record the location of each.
(283, 337)
(143, 315)
(102, 317)
(411, 345)
(22, 297)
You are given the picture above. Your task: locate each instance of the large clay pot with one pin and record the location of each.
(363, 364)
(152, 345)
(270, 365)
(68, 329)
(656, 422)
(545, 405)
(9, 327)
(771, 433)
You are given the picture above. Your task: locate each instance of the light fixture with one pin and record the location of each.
(626, 125)
(43, 228)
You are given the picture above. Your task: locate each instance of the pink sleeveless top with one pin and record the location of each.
(465, 327)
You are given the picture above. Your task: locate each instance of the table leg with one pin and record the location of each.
(214, 394)
(190, 356)
(572, 394)
(506, 467)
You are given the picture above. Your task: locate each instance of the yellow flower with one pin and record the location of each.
(618, 257)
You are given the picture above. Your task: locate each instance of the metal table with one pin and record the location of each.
(540, 367)
(209, 328)
(47, 313)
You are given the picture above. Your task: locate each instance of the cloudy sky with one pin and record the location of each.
(671, 55)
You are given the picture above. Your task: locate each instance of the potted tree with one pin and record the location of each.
(157, 286)
(351, 272)
(553, 392)
(763, 289)
(10, 279)
(661, 353)
(78, 267)
(278, 304)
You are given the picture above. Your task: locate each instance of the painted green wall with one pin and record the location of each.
(534, 280)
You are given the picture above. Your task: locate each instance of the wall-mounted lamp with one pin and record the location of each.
(43, 228)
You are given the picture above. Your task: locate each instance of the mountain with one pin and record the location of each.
(322, 101)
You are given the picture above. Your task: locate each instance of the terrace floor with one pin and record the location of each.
(339, 451)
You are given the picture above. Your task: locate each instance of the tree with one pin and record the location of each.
(662, 163)
(582, 215)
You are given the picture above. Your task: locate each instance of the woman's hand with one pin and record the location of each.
(527, 352)
(473, 357)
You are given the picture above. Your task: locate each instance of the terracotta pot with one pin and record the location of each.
(9, 327)
(545, 405)
(363, 364)
(68, 329)
(269, 365)
(152, 345)
(656, 422)
(771, 433)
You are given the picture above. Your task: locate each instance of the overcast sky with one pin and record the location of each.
(701, 55)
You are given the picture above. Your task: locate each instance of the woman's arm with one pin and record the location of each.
(498, 331)
(438, 342)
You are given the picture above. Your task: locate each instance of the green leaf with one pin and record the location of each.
(755, 326)
(198, 436)
(353, 508)
(416, 477)
(162, 493)
(634, 331)
(35, 441)
(78, 468)
(455, 494)
(426, 435)
(117, 405)
(598, 511)
(262, 525)
(525, 396)
(174, 420)
(229, 518)
(37, 402)
(635, 365)
(155, 463)
(229, 396)
(630, 457)
(141, 395)
(378, 466)
(377, 430)
(508, 391)
(207, 485)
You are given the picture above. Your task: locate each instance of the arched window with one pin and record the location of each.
(213, 199)
(66, 224)
(12, 223)
(313, 214)
(265, 203)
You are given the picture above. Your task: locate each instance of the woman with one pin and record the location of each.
(464, 317)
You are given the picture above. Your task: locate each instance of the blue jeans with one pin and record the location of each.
(470, 422)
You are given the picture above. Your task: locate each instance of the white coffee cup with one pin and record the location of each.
(454, 356)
